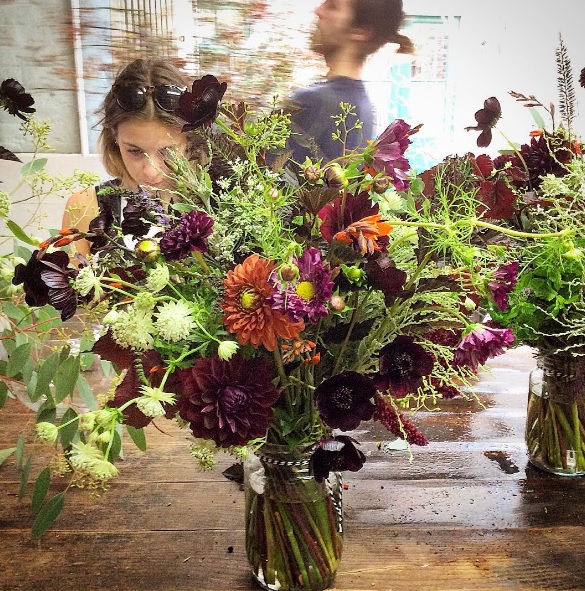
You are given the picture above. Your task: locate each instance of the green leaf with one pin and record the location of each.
(537, 118)
(19, 451)
(116, 448)
(182, 207)
(6, 453)
(66, 378)
(47, 412)
(85, 392)
(20, 233)
(3, 393)
(33, 167)
(16, 313)
(16, 361)
(46, 374)
(86, 360)
(47, 515)
(67, 433)
(41, 489)
(137, 436)
(24, 473)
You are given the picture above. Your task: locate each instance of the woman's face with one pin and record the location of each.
(144, 147)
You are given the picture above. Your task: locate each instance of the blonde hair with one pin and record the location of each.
(141, 73)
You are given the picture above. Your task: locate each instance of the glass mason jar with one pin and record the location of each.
(294, 524)
(555, 418)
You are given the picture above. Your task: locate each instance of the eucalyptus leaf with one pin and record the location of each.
(47, 515)
(3, 393)
(137, 436)
(41, 488)
(20, 233)
(24, 474)
(85, 392)
(46, 374)
(67, 432)
(17, 359)
(20, 451)
(537, 118)
(33, 167)
(6, 453)
(66, 378)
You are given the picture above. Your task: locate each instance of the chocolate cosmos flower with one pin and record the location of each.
(15, 100)
(229, 402)
(486, 119)
(46, 280)
(200, 106)
(345, 400)
(402, 366)
(333, 455)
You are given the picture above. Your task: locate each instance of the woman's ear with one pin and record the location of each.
(361, 34)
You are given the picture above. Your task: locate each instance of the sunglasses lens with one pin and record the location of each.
(130, 98)
(167, 97)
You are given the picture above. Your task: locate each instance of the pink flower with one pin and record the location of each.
(482, 343)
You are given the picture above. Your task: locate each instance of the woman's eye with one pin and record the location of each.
(135, 151)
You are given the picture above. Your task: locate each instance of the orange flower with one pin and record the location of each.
(247, 307)
(365, 233)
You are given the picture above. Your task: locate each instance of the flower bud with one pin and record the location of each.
(312, 174)
(335, 177)
(336, 303)
(380, 185)
(147, 250)
(272, 193)
(288, 272)
(227, 349)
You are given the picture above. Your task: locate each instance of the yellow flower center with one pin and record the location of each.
(306, 290)
(248, 299)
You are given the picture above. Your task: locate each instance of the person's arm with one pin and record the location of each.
(80, 209)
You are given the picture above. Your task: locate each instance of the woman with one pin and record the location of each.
(139, 127)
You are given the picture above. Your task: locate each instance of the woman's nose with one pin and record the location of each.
(152, 169)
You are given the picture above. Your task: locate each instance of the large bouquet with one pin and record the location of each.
(262, 303)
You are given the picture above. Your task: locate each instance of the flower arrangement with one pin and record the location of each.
(537, 288)
(264, 305)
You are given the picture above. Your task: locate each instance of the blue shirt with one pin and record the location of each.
(315, 124)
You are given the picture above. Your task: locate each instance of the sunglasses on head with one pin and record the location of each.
(132, 98)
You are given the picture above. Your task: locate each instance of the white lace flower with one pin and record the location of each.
(4, 204)
(84, 455)
(133, 328)
(103, 470)
(144, 301)
(150, 403)
(87, 280)
(226, 349)
(158, 278)
(174, 321)
(47, 432)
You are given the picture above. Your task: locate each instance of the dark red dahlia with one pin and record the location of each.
(335, 455)
(402, 366)
(191, 233)
(229, 402)
(345, 400)
(46, 280)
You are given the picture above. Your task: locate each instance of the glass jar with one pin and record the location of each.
(294, 524)
(555, 417)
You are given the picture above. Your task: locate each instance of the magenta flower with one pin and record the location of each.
(388, 153)
(229, 402)
(504, 281)
(191, 233)
(402, 366)
(345, 400)
(306, 297)
(335, 455)
(482, 343)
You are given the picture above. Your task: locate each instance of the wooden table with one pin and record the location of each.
(468, 513)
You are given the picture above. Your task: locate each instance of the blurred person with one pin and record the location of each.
(139, 127)
(346, 33)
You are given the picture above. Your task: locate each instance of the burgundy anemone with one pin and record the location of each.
(335, 455)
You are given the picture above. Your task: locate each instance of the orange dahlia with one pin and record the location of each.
(248, 309)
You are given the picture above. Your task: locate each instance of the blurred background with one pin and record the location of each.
(66, 52)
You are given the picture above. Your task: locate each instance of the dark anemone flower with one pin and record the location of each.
(486, 119)
(402, 366)
(383, 274)
(201, 106)
(345, 400)
(229, 402)
(101, 232)
(481, 343)
(335, 455)
(504, 281)
(388, 150)
(355, 220)
(15, 100)
(308, 295)
(191, 233)
(46, 280)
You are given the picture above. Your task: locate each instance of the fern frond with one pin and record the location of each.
(565, 84)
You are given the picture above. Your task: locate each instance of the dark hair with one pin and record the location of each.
(383, 18)
(140, 72)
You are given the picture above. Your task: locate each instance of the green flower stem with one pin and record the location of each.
(472, 222)
(352, 323)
